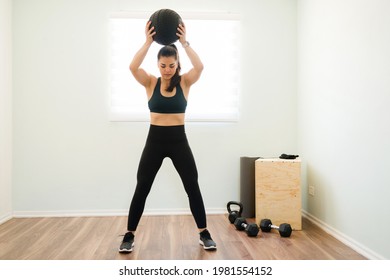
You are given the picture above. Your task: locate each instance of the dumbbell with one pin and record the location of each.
(250, 229)
(234, 214)
(285, 229)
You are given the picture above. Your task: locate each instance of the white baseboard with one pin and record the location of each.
(118, 212)
(68, 213)
(350, 242)
(6, 217)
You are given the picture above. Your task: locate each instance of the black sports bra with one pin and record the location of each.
(167, 105)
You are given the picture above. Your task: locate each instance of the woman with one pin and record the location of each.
(167, 97)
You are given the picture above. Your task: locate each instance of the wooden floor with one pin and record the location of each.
(161, 238)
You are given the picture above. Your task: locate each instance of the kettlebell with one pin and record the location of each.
(234, 214)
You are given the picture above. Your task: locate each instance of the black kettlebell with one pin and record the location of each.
(234, 214)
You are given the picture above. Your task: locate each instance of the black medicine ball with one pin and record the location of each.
(165, 22)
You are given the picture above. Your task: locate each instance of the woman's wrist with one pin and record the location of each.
(185, 44)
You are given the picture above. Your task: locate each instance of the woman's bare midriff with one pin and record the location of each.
(167, 119)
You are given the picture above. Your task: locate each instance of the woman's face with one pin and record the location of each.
(167, 66)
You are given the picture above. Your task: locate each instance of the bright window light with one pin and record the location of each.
(214, 97)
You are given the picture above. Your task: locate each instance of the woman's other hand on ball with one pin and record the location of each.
(149, 32)
(181, 33)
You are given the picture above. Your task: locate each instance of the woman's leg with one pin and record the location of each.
(184, 162)
(149, 165)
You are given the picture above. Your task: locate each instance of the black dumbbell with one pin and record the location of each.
(285, 229)
(250, 229)
(234, 214)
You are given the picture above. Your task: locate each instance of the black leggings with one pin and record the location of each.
(162, 142)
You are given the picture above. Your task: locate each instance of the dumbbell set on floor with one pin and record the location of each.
(240, 222)
(284, 229)
(252, 230)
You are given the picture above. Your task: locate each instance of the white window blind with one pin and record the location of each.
(214, 97)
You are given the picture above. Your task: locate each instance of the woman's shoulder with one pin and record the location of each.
(183, 81)
(152, 85)
(153, 81)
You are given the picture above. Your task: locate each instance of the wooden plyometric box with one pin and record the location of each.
(278, 191)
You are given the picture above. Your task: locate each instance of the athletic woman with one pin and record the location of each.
(167, 97)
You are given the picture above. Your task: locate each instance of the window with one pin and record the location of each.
(215, 37)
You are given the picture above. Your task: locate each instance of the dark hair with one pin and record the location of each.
(171, 51)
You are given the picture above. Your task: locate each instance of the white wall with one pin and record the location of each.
(5, 110)
(69, 158)
(344, 130)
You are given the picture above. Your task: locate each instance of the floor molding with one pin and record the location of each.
(117, 212)
(350, 242)
(5, 218)
(68, 213)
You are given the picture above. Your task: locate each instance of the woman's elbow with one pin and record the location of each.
(200, 67)
(133, 69)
